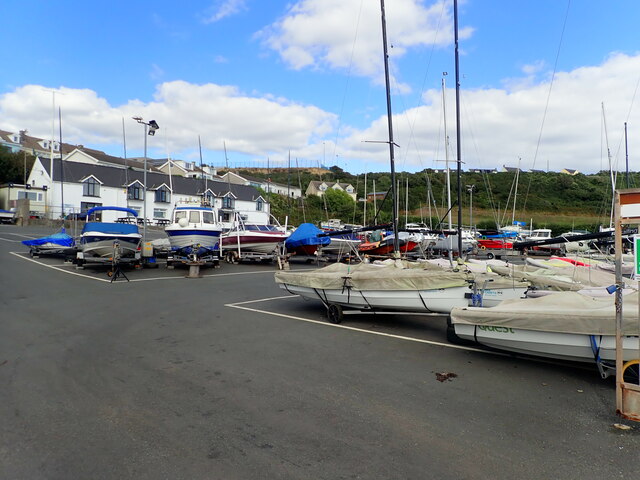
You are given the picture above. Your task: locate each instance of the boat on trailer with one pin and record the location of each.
(253, 238)
(570, 326)
(392, 285)
(101, 239)
(194, 231)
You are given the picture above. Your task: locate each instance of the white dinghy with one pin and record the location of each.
(564, 325)
(385, 286)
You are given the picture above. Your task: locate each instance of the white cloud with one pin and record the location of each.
(498, 125)
(224, 8)
(346, 34)
(249, 124)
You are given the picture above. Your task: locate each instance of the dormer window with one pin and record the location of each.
(91, 188)
(134, 192)
(228, 202)
(259, 205)
(163, 195)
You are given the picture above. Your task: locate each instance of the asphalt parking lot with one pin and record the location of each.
(227, 376)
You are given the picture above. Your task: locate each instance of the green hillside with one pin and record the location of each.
(553, 200)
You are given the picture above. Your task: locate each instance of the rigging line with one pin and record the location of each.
(346, 87)
(412, 123)
(635, 91)
(485, 177)
(546, 107)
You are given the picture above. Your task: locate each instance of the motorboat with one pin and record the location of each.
(392, 285)
(304, 240)
(104, 239)
(194, 230)
(253, 238)
(379, 244)
(57, 243)
(569, 326)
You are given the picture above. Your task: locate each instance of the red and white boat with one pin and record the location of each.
(253, 238)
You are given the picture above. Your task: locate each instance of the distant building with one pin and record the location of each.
(510, 169)
(371, 196)
(569, 171)
(483, 170)
(264, 183)
(319, 187)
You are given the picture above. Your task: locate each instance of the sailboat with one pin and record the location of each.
(392, 285)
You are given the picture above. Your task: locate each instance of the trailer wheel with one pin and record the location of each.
(490, 256)
(630, 371)
(334, 313)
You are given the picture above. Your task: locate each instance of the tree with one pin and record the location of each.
(339, 203)
(12, 165)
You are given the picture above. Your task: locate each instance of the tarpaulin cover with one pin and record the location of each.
(389, 275)
(60, 238)
(306, 234)
(564, 312)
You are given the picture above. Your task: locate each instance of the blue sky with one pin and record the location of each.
(269, 79)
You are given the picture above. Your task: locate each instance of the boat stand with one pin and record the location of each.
(116, 269)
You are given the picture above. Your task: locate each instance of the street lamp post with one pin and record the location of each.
(150, 128)
(470, 189)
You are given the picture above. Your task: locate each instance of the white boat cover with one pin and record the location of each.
(388, 275)
(564, 312)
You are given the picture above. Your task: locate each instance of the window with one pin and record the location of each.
(85, 206)
(228, 202)
(159, 213)
(207, 217)
(194, 217)
(163, 195)
(259, 205)
(134, 192)
(91, 188)
(208, 198)
(28, 195)
(180, 214)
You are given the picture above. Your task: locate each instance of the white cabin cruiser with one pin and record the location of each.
(195, 230)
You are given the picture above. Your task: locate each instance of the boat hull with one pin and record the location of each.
(95, 244)
(419, 301)
(262, 243)
(183, 240)
(560, 346)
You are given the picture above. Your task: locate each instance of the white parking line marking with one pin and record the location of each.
(59, 269)
(239, 305)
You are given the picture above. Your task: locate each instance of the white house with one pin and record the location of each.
(318, 188)
(85, 185)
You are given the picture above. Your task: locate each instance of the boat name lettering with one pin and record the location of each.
(496, 329)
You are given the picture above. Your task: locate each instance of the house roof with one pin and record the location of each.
(29, 143)
(111, 176)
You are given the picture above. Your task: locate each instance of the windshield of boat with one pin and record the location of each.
(194, 216)
(179, 214)
(207, 217)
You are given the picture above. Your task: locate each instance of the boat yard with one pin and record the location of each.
(227, 376)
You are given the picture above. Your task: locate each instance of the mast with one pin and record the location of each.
(626, 154)
(61, 162)
(446, 150)
(126, 167)
(458, 147)
(394, 206)
(515, 195)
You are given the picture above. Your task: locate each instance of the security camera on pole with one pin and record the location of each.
(150, 128)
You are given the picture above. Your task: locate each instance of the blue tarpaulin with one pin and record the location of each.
(60, 238)
(306, 234)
